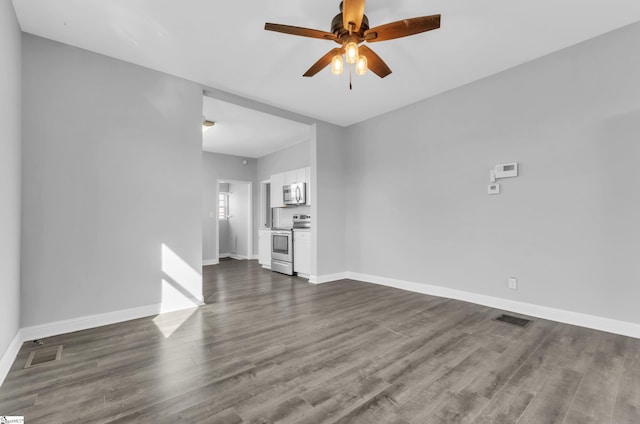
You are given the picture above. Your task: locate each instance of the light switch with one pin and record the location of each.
(493, 188)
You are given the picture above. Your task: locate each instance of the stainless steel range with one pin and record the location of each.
(282, 245)
(282, 250)
(301, 221)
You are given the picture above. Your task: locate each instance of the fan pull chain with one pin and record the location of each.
(350, 34)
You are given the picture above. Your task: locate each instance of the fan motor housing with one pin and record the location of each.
(337, 27)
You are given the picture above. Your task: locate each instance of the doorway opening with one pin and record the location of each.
(234, 230)
(266, 216)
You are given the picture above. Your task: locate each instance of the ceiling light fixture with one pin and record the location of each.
(206, 124)
(337, 65)
(351, 51)
(350, 28)
(362, 65)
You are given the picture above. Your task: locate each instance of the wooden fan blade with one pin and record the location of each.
(374, 62)
(303, 32)
(402, 28)
(352, 12)
(322, 62)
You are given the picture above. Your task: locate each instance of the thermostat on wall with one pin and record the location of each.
(507, 170)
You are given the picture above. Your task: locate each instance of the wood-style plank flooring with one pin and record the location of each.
(268, 348)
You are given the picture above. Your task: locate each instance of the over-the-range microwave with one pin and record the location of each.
(295, 194)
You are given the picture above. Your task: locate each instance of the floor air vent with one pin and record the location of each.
(44, 356)
(520, 322)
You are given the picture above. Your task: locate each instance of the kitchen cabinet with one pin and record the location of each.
(302, 175)
(295, 176)
(290, 177)
(264, 248)
(277, 181)
(302, 252)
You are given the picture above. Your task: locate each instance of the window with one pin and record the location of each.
(223, 206)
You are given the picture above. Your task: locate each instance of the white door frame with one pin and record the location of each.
(249, 215)
(263, 206)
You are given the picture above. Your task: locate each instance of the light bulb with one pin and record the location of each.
(362, 65)
(351, 51)
(337, 66)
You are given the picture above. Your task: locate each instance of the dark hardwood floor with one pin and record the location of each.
(268, 348)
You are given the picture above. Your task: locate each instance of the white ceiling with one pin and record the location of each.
(222, 44)
(245, 132)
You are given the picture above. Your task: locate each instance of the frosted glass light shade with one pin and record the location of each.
(337, 65)
(362, 66)
(351, 52)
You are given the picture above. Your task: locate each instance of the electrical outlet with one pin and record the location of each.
(513, 283)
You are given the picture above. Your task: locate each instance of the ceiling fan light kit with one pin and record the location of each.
(337, 65)
(350, 28)
(362, 65)
(351, 52)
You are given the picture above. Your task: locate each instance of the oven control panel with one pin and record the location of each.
(301, 221)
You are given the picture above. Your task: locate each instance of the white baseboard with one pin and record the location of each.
(255, 256)
(77, 324)
(9, 355)
(207, 262)
(234, 256)
(92, 321)
(238, 257)
(321, 279)
(568, 317)
(574, 318)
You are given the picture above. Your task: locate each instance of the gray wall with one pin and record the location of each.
(216, 166)
(567, 227)
(294, 157)
(328, 206)
(10, 148)
(111, 172)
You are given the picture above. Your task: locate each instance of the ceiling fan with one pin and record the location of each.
(349, 29)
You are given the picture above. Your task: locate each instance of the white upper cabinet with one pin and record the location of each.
(290, 177)
(277, 181)
(295, 176)
(302, 175)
